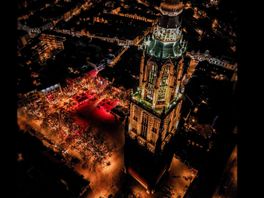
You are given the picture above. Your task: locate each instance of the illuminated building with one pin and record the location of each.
(23, 39)
(49, 46)
(156, 105)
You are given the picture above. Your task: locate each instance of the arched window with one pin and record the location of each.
(151, 80)
(163, 84)
(144, 125)
(152, 73)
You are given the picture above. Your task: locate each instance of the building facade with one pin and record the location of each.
(155, 107)
(49, 46)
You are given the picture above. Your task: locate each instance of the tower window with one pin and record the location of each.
(144, 126)
(162, 91)
(150, 91)
(152, 73)
(135, 118)
(163, 84)
(154, 130)
(151, 80)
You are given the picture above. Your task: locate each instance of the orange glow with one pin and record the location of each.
(178, 6)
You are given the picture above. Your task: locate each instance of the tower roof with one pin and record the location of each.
(167, 39)
(171, 6)
(170, 10)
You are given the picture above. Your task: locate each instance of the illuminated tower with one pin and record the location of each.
(155, 106)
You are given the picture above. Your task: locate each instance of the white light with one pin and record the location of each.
(147, 43)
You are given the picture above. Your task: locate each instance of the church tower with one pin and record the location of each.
(155, 106)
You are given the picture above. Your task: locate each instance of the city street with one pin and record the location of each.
(174, 184)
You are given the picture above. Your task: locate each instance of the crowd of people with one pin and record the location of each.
(51, 111)
(94, 148)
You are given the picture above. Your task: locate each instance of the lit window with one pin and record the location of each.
(151, 81)
(152, 73)
(144, 126)
(163, 85)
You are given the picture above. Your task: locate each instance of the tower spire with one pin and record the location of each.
(165, 42)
